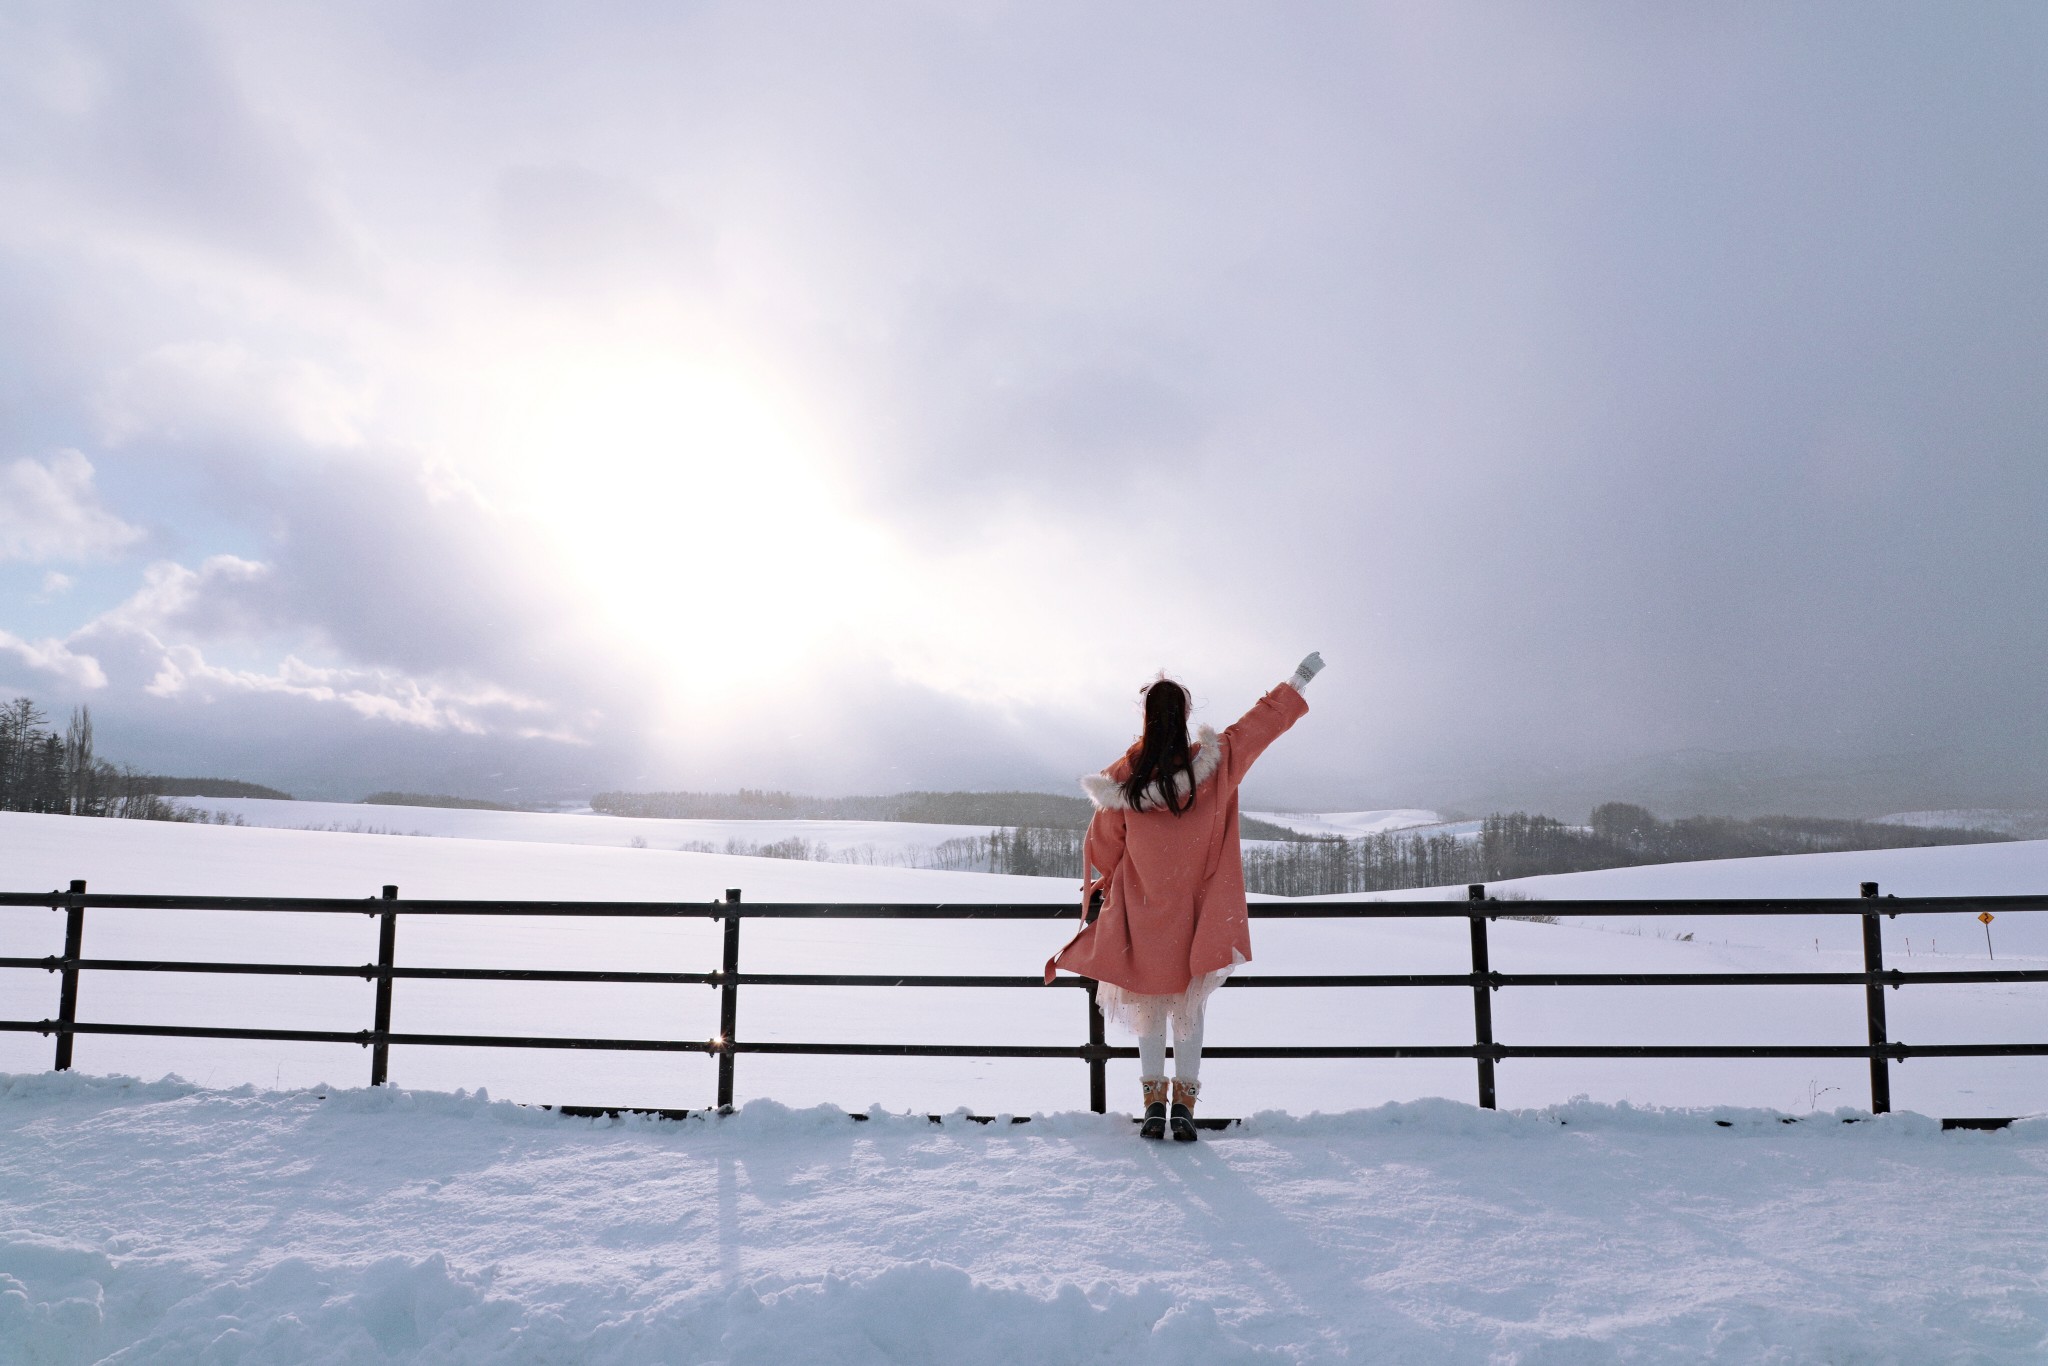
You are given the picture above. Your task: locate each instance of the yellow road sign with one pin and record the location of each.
(1986, 917)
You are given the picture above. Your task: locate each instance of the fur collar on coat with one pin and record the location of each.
(1108, 794)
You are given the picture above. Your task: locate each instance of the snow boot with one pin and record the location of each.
(1155, 1108)
(1182, 1115)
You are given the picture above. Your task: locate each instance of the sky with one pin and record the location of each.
(532, 399)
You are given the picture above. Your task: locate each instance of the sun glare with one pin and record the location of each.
(699, 514)
(702, 510)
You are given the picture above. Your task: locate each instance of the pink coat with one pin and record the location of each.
(1175, 907)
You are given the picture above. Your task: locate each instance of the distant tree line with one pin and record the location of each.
(211, 787)
(435, 799)
(1504, 846)
(43, 771)
(1387, 861)
(1030, 851)
(1621, 835)
(1031, 810)
(1517, 845)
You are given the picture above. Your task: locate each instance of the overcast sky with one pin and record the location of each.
(864, 397)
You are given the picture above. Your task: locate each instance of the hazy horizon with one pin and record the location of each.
(509, 399)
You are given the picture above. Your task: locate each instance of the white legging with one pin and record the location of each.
(1187, 1048)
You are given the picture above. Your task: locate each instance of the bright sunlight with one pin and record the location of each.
(693, 505)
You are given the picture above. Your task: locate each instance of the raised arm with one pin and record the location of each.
(1246, 739)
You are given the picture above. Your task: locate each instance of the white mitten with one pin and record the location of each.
(1306, 670)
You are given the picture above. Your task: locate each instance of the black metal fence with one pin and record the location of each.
(1483, 980)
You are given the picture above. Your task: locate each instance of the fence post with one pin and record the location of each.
(387, 954)
(1098, 1066)
(1482, 997)
(728, 998)
(1873, 1005)
(67, 990)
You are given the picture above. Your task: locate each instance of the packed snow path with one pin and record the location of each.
(171, 1224)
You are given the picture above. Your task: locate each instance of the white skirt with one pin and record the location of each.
(1145, 1016)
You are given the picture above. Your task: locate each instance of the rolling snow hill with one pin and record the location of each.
(885, 843)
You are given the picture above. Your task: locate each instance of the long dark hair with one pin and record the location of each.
(1163, 754)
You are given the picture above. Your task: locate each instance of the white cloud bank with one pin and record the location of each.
(55, 659)
(854, 397)
(50, 510)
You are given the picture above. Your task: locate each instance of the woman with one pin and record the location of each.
(1162, 847)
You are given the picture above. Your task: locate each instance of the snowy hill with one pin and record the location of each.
(2015, 869)
(887, 843)
(906, 844)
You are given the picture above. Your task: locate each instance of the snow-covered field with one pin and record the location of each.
(47, 851)
(166, 1221)
(888, 843)
(891, 842)
(160, 1223)
(207, 859)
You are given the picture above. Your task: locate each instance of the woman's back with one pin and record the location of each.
(1162, 855)
(1174, 905)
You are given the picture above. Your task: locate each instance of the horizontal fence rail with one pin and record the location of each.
(1483, 980)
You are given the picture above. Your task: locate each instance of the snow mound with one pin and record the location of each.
(64, 1304)
(163, 1222)
(49, 1086)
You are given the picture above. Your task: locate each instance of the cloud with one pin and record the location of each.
(50, 510)
(136, 128)
(226, 598)
(567, 226)
(206, 668)
(1583, 387)
(221, 391)
(379, 695)
(56, 660)
(163, 630)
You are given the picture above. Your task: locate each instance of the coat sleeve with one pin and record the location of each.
(1101, 852)
(1247, 737)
